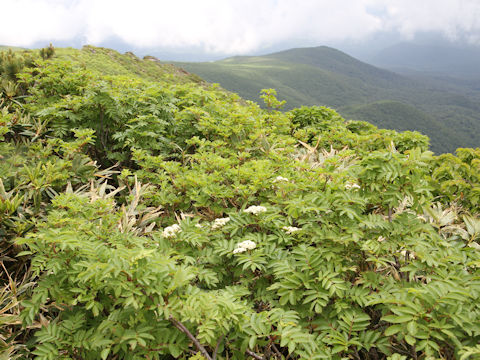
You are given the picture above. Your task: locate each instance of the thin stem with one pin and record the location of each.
(183, 329)
(214, 357)
(276, 350)
(255, 356)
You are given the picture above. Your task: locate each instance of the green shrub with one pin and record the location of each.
(255, 233)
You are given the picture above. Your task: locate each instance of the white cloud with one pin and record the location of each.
(25, 21)
(453, 18)
(230, 26)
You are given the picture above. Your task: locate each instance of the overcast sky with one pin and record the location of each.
(231, 26)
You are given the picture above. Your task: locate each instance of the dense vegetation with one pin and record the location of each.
(446, 111)
(147, 215)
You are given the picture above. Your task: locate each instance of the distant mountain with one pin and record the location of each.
(337, 62)
(446, 59)
(447, 111)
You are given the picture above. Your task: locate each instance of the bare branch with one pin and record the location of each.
(255, 356)
(277, 352)
(183, 329)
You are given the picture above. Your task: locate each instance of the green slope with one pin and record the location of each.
(393, 114)
(298, 83)
(339, 63)
(325, 76)
(401, 117)
(110, 62)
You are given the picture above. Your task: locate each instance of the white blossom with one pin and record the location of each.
(349, 186)
(239, 250)
(218, 223)
(200, 226)
(244, 246)
(280, 179)
(247, 244)
(254, 209)
(381, 239)
(291, 229)
(171, 231)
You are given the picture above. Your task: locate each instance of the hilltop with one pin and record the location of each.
(110, 62)
(448, 114)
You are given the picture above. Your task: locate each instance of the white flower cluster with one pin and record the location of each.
(244, 246)
(218, 223)
(254, 209)
(381, 239)
(280, 179)
(291, 229)
(199, 226)
(247, 244)
(349, 186)
(171, 231)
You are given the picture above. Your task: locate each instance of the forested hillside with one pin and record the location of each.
(447, 110)
(146, 214)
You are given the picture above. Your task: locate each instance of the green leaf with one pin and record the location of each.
(392, 330)
(104, 353)
(397, 319)
(410, 339)
(412, 328)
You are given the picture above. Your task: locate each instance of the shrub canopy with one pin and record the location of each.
(158, 217)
